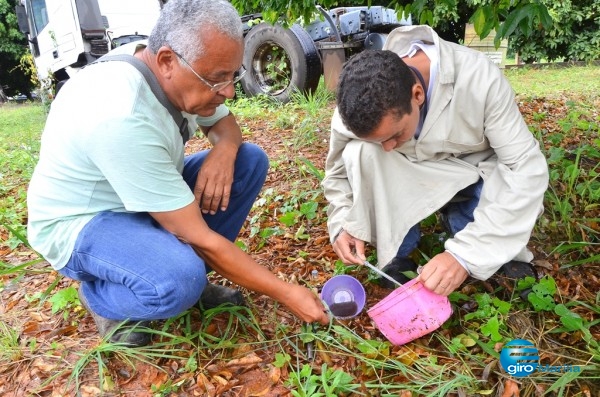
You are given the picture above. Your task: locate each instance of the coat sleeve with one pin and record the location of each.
(336, 185)
(513, 192)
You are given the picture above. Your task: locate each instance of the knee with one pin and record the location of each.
(357, 150)
(183, 289)
(253, 158)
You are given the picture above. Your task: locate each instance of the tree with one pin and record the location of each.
(448, 16)
(573, 36)
(13, 48)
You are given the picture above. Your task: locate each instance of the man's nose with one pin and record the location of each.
(389, 145)
(228, 91)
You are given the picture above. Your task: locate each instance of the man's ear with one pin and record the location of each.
(165, 61)
(418, 93)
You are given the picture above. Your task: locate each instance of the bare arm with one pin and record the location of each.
(232, 263)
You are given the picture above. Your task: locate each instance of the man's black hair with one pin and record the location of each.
(372, 84)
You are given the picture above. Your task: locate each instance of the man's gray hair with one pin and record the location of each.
(181, 22)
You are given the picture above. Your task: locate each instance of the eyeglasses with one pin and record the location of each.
(237, 76)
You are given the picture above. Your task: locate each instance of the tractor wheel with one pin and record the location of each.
(280, 61)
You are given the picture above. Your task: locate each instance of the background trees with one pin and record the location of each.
(15, 75)
(573, 36)
(537, 29)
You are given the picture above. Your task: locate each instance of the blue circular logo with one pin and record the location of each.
(519, 357)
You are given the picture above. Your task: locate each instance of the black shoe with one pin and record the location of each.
(395, 269)
(518, 270)
(215, 295)
(125, 333)
(515, 270)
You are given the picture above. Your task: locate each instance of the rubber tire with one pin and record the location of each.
(300, 50)
(59, 86)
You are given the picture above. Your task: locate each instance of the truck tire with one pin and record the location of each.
(279, 61)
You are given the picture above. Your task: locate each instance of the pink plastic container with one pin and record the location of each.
(410, 312)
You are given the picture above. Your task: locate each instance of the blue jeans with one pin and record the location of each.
(458, 213)
(131, 268)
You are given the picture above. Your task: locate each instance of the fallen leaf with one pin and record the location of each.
(205, 386)
(219, 379)
(511, 389)
(488, 369)
(274, 374)
(250, 360)
(406, 356)
(543, 263)
(42, 365)
(89, 391)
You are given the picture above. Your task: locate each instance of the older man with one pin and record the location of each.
(427, 125)
(114, 203)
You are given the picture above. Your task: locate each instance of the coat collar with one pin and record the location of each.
(400, 39)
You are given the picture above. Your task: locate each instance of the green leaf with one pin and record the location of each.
(300, 235)
(426, 17)
(543, 16)
(478, 20)
(503, 307)
(492, 329)
(281, 359)
(289, 218)
(63, 299)
(309, 209)
(572, 321)
(514, 19)
(525, 283)
(542, 295)
(539, 303)
(373, 348)
(464, 340)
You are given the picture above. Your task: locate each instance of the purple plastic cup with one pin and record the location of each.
(344, 296)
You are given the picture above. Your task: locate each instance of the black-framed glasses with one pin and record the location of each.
(237, 76)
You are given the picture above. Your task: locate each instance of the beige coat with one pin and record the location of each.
(473, 129)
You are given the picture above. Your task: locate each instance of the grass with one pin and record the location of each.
(552, 81)
(20, 127)
(559, 314)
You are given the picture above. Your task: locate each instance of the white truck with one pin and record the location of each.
(65, 35)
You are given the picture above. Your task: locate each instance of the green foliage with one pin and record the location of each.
(330, 382)
(542, 295)
(504, 16)
(63, 300)
(11, 39)
(10, 349)
(15, 77)
(542, 298)
(573, 35)
(571, 201)
(313, 102)
(20, 128)
(491, 311)
(450, 16)
(281, 359)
